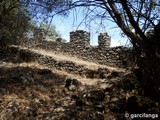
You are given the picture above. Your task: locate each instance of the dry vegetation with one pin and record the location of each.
(65, 57)
(30, 91)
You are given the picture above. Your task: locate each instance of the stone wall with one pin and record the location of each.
(104, 40)
(40, 33)
(80, 47)
(80, 39)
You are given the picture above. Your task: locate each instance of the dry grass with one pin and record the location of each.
(34, 65)
(62, 57)
(48, 95)
(26, 95)
(52, 94)
(53, 97)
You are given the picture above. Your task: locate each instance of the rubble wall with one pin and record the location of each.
(80, 47)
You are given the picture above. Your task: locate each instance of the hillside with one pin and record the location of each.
(46, 85)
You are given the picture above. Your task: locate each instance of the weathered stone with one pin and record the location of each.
(44, 72)
(98, 116)
(72, 84)
(113, 74)
(128, 83)
(103, 72)
(96, 95)
(117, 105)
(13, 111)
(13, 108)
(79, 46)
(99, 107)
(60, 40)
(30, 112)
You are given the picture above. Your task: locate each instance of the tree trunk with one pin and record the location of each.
(150, 68)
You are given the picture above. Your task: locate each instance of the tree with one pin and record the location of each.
(14, 21)
(135, 18)
(50, 30)
(17, 16)
(45, 10)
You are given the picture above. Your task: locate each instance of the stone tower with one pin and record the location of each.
(104, 40)
(40, 33)
(80, 39)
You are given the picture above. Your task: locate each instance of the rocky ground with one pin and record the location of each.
(31, 90)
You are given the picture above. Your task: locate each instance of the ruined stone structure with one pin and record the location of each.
(80, 47)
(80, 39)
(40, 33)
(104, 40)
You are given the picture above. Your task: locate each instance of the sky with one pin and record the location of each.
(64, 25)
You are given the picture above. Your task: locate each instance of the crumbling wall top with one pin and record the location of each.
(80, 38)
(104, 40)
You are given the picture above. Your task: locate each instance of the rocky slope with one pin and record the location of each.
(43, 85)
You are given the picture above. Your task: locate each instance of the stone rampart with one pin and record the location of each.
(80, 47)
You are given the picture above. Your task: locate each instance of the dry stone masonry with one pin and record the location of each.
(80, 47)
(40, 33)
(104, 40)
(80, 39)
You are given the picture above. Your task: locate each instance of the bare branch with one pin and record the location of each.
(132, 21)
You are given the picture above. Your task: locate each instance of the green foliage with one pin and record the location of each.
(15, 17)
(45, 9)
(14, 21)
(133, 17)
(51, 31)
